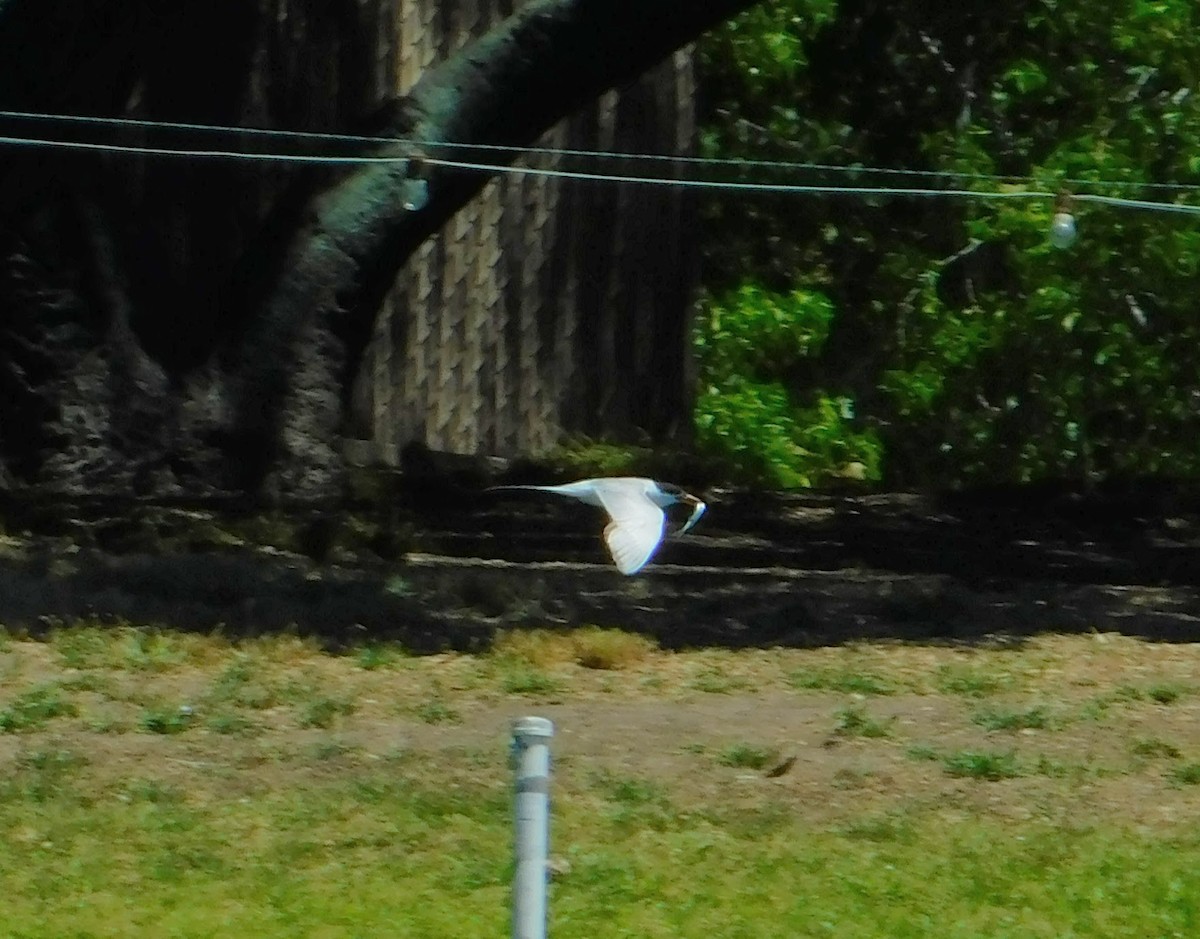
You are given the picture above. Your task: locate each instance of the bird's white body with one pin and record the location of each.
(635, 506)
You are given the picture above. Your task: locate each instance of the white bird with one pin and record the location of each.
(635, 506)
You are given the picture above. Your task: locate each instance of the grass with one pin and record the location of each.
(973, 681)
(437, 711)
(299, 773)
(981, 764)
(1035, 718)
(529, 681)
(747, 756)
(526, 660)
(166, 720)
(856, 722)
(374, 655)
(845, 681)
(712, 679)
(1188, 775)
(1165, 693)
(1152, 747)
(320, 710)
(34, 708)
(591, 647)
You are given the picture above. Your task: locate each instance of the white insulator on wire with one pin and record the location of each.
(1062, 230)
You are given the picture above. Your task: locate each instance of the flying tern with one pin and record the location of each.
(635, 509)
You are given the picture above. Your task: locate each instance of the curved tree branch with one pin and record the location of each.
(540, 65)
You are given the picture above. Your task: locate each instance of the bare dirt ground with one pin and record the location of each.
(1114, 722)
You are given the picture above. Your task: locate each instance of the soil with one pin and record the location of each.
(1110, 749)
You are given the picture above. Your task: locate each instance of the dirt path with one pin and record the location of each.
(1069, 729)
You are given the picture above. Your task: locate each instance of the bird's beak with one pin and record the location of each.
(698, 508)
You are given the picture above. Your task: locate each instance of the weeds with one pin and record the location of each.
(166, 720)
(242, 684)
(437, 711)
(714, 680)
(1165, 693)
(1152, 747)
(530, 681)
(842, 680)
(231, 725)
(33, 708)
(977, 764)
(1187, 775)
(373, 656)
(1034, 718)
(967, 680)
(323, 710)
(40, 774)
(856, 722)
(589, 646)
(746, 756)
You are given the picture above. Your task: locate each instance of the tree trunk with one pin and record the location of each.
(122, 366)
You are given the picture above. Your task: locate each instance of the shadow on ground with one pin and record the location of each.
(443, 569)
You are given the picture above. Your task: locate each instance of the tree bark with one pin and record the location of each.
(546, 61)
(258, 374)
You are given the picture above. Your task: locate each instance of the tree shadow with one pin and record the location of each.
(764, 569)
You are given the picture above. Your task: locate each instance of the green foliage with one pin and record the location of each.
(856, 722)
(166, 720)
(1034, 718)
(1188, 775)
(981, 764)
(747, 343)
(32, 709)
(322, 710)
(522, 679)
(971, 348)
(844, 680)
(746, 756)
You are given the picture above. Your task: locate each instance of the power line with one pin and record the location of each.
(299, 136)
(501, 148)
(80, 145)
(743, 186)
(196, 154)
(415, 147)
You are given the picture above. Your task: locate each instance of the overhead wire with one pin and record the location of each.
(427, 150)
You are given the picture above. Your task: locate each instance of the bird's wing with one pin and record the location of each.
(636, 528)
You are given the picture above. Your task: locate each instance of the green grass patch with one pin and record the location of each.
(529, 681)
(166, 719)
(1167, 693)
(243, 684)
(322, 710)
(846, 681)
(971, 681)
(1035, 718)
(639, 866)
(231, 724)
(1153, 747)
(32, 709)
(1098, 707)
(378, 655)
(981, 764)
(588, 646)
(1188, 774)
(746, 756)
(39, 775)
(712, 679)
(856, 722)
(437, 711)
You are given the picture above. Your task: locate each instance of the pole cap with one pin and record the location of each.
(533, 727)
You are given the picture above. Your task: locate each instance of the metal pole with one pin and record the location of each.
(531, 752)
